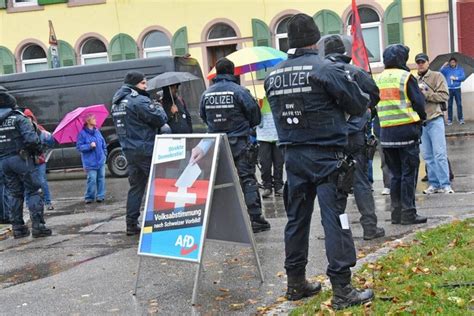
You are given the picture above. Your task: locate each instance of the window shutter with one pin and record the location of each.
(7, 61)
(67, 56)
(179, 42)
(261, 37)
(3, 4)
(122, 47)
(45, 2)
(393, 24)
(328, 22)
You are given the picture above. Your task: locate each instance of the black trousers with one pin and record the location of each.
(271, 156)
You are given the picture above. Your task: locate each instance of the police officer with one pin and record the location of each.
(19, 143)
(335, 50)
(137, 121)
(4, 196)
(401, 110)
(226, 107)
(308, 97)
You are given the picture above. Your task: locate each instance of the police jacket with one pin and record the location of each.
(395, 57)
(226, 107)
(357, 123)
(308, 97)
(16, 133)
(137, 120)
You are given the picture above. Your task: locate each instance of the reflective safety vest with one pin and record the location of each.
(394, 108)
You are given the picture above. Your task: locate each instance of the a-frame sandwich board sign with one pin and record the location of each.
(193, 195)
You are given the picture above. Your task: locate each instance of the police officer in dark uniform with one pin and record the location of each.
(19, 143)
(4, 196)
(337, 49)
(226, 107)
(137, 121)
(309, 97)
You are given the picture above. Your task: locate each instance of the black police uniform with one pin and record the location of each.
(308, 97)
(226, 107)
(137, 121)
(19, 141)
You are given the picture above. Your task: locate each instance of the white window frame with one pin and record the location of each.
(368, 26)
(25, 62)
(157, 49)
(91, 56)
(24, 4)
(278, 37)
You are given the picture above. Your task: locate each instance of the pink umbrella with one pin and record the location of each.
(73, 122)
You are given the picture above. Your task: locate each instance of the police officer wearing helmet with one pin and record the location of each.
(336, 48)
(401, 111)
(19, 143)
(309, 97)
(226, 107)
(137, 121)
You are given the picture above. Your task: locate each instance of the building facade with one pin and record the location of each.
(96, 31)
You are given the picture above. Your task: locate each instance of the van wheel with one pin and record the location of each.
(117, 163)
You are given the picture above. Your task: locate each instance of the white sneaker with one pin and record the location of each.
(446, 190)
(431, 190)
(386, 191)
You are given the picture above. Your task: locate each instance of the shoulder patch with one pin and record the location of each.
(134, 93)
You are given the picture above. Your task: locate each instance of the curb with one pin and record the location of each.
(286, 307)
(455, 134)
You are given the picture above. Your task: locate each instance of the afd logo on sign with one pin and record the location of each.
(186, 243)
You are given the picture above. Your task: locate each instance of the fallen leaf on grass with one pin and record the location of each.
(459, 301)
(430, 292)
(361, 255)
(453, 243)
(452, 268)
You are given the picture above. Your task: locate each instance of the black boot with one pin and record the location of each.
(345, 296)
(259, 224)
(21, 231)
(396, 216)
(299, 287)
(413, 219)
(372, 234)
(133, 229)
(39, 230)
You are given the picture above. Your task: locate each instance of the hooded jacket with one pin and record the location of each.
(179, 122)
(137, 120)
(357, 123)
(309, 96)
(396, 56)
(93, 158)
(16, 133)
(227, 107)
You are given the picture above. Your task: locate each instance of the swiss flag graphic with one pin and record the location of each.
(168, 197)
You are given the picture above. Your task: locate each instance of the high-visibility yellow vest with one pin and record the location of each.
(394, 108)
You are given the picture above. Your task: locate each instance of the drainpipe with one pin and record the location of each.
(453, 26)
(423, 29)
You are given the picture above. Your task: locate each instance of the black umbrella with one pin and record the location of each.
(169, 79)
(466, 62)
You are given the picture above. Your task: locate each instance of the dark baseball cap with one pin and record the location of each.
(422, 56)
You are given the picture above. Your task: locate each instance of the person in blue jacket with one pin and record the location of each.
(454, 75)
(93, 150)
(137, 121)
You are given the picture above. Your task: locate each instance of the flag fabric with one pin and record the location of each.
(360, 57)
(53, 48)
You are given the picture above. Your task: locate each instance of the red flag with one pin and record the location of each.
(360, 57)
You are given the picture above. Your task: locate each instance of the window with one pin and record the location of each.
(93, 51)
(33, 58)
(24, 3)
(281, 35)
(221, 31)
(155, 44)
(371, 30)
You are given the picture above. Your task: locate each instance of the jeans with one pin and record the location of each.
(95, 188)
(455, 94)
(246, 172)
(307, 170)
(403, 163)
(433, 148)
(23, 176)
(270, 155)
(362, 187)
(138, 171)
(44, 185)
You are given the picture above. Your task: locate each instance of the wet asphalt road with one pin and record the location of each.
(88, 267)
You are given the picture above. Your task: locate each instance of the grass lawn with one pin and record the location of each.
(432, 275)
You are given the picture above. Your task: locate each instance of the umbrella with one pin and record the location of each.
(73, 122)
(464, 61)
(253, 59)
(170, 78)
